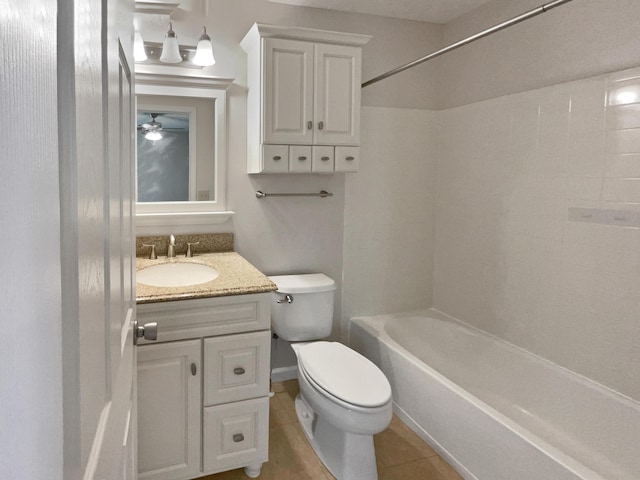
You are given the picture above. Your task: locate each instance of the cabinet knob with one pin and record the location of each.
(309, 125)
(238, 437)
(238, 371)
(350, 158)
(324, 159)
(302, 158)
(320, 125)
(276, 158)
(194, 369)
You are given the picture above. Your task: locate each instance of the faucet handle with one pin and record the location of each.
(189, 252)
(152, 253)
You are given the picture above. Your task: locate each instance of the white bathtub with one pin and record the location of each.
(497, 412)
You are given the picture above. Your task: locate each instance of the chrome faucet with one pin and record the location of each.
(171, 251)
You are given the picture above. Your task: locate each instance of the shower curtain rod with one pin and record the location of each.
(520, 18)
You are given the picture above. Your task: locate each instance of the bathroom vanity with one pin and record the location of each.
(203, 384)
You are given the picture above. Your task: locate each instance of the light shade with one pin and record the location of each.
(153, 135)
(170, 49)
(139, 53)
(204, 52)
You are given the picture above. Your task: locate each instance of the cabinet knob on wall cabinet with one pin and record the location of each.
(320, 125)
(238, 371)
(238, 437)
(309, 125)
(194, 369)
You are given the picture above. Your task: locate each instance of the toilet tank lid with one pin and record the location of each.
(305, 283)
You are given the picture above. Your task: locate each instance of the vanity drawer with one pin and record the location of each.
(275, 158)
(347, 159)
(322, 159)
(300, 158)
(237, 367)
(236, 434)
(183, 319)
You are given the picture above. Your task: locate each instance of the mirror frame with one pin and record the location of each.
(184, 213)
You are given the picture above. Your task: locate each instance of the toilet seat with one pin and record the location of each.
(343, 374)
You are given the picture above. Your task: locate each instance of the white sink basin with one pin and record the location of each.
(176, 274)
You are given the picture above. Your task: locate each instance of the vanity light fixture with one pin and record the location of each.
(139, 54)
(171, 53)
(170, 48)
(204, 53)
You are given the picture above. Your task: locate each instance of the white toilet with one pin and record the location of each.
(344, 398)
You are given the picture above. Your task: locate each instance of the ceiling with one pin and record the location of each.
(436, 11)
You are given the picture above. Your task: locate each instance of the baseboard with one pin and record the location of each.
(284, 373)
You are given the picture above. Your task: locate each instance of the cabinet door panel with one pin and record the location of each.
(237, 367)
(288, 95)
(337, 93)
(169, 405)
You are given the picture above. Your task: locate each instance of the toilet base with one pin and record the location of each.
(348, 456)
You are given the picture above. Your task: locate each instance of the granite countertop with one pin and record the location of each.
(236, 277)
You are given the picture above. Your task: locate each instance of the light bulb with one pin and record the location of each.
(139, 54)
(170, 49)
(204, 52)
(153, 135)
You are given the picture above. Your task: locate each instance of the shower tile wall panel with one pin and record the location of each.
(389, 206)
(507, 258)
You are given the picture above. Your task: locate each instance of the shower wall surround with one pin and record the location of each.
(538, 197)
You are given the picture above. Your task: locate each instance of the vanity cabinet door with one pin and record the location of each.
(237, 367)
(169, 409)
(337, 95)
(288, 91)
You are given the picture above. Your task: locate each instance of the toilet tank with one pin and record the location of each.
(309, 316)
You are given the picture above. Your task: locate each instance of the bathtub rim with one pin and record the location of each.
(374, 326)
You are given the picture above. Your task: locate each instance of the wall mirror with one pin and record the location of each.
(180, 149)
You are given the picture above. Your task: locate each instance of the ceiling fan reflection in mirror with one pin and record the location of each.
(171, 122)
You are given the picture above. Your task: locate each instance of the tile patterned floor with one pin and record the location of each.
(400, 453)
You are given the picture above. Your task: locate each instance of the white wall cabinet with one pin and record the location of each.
(304, 98)
(203, 387)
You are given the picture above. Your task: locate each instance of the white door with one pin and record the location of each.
(337, 95)
(103, 427)
(288, 92)
(65, 339)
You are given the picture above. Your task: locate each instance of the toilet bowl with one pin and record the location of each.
(344, 398)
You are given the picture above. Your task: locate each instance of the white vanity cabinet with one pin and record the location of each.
(203, 387)
(304, 99)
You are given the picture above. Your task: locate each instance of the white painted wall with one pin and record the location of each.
(388, 246)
